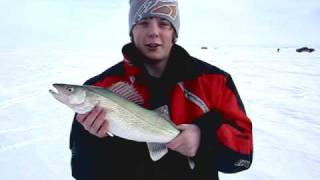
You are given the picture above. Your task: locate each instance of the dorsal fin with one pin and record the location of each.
(163, 111)
(127, 91)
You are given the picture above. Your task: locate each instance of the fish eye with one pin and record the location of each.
(70, 89)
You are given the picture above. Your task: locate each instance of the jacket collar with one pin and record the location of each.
(180, 65)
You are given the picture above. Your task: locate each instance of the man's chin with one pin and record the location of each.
(154, 57)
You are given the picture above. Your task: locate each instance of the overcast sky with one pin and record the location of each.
(104, 23)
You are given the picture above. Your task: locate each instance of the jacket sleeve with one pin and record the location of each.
(86, 151)
(226, 133)
(96, 158)
(90, 154)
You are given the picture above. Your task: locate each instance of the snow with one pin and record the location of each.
(279, 90)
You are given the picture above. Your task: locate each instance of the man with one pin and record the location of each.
(200, 99)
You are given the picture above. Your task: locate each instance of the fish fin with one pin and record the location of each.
(127, 91)
(163, 111)
(191, 163)
(157, 150)
(110, 134)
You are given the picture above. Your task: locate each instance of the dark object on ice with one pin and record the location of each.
(305, 49)
(204, 47)
(278, 50)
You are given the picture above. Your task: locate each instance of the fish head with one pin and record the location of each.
(70, 95)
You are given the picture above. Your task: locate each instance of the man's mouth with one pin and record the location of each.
(152, 45)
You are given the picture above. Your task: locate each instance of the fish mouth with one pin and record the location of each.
(56, 93)
(53, 92)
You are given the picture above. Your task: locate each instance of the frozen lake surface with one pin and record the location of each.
(280, 92)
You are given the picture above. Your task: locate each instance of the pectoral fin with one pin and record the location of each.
(157, 150)
(191, 163)
(110, 134)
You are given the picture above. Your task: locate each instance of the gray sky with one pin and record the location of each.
(104, 23)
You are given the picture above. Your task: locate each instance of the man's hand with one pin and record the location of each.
(94, 121)
(188, 141)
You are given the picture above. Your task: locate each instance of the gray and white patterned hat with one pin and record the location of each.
(167, 9)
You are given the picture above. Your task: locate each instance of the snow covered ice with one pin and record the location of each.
(280, 92)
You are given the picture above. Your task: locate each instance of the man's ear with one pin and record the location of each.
(174, 38)
(131, 37)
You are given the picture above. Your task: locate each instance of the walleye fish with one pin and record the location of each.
(126, 119)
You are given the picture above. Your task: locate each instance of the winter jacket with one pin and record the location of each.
(195, 93)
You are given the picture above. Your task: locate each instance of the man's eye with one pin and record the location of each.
(164, 24)
(143, 23)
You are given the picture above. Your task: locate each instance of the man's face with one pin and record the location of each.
(154, 38)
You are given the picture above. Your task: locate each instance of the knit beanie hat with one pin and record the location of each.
(167, 9)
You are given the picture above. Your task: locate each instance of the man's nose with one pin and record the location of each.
(153, 29)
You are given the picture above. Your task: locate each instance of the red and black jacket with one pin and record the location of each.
(195, 92)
